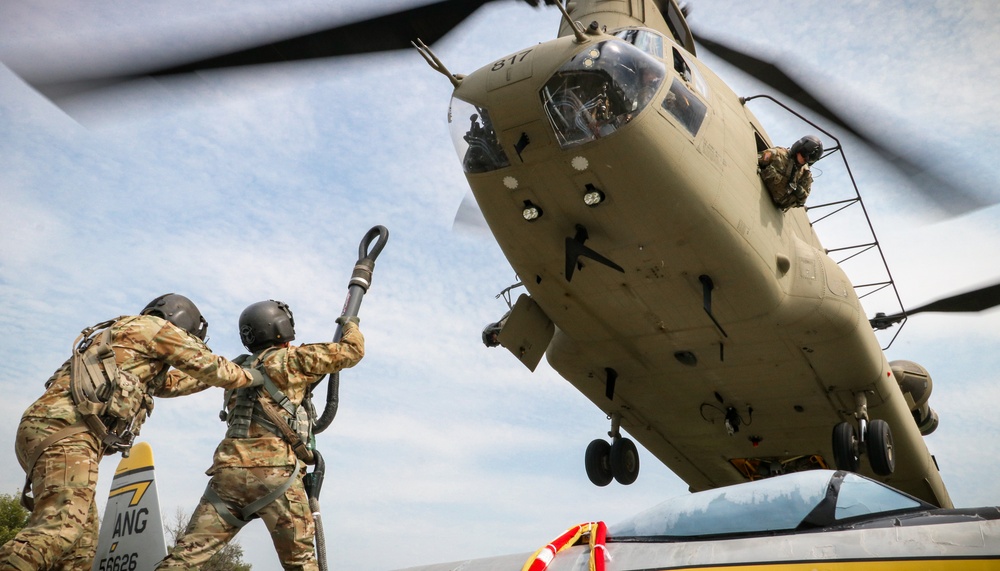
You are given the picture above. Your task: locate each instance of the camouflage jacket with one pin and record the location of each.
(788, 182)
(146, 347)
(293, 369)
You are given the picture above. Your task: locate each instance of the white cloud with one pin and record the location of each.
(240, 187)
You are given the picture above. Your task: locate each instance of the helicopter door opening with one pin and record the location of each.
(761, 143)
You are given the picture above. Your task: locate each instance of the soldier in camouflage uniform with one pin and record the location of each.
(59, 451)
(256, 471)
(786, 172)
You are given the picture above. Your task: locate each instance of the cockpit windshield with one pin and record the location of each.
(474, 138)
(646, 40)
(599, 90)
(815, 498)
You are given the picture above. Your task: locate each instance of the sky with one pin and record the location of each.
(244, 186)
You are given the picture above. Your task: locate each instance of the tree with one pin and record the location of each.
(12, 516)
(229, 558)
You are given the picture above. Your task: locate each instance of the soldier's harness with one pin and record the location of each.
(112, 403)
(275, 412)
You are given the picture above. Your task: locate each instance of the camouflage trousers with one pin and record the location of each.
(61, 533)
(288, 519)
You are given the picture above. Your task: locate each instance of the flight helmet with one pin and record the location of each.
(810, 147)
(266, 323)
(180, 311)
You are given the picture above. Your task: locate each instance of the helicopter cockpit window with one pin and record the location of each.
(689, 73)
(474, 137)
(646, 40)
(684, 106)
(681, 67)
(600, 90)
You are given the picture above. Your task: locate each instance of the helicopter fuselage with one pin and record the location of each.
(710, 322)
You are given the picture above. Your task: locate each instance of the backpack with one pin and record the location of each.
(113, 403)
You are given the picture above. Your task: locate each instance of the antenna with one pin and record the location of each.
(433, 61)
(576, 26)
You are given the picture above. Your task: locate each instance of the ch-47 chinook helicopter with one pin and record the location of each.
(618, 174)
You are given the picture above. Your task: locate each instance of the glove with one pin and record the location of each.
(344, 319)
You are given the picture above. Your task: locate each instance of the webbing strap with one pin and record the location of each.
(246, 514)
(300, 448)
(27, 501)
(88, 402)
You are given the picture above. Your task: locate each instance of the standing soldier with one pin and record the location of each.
(258, 468)
(786, 172)
(94, 405)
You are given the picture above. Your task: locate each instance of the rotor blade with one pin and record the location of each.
(971, 301)
(469, 218)
(948, 194)
(383, 33)
(968, 302)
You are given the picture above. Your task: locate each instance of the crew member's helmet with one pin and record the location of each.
(810, 147)
(180, 311)
(266, 323)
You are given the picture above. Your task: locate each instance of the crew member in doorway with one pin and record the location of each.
(786, 172)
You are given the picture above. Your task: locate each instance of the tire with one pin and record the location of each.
(624, 461)
(598, 462)
(880, 450)
(846, 454)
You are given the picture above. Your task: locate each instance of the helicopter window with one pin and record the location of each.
(681, 66)
(689, 73)
(646, 40)
(684, 106)
(675, 21)
(474, 137)
(600, 90)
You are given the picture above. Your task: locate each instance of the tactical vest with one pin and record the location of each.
(293, 423)
(113, 403)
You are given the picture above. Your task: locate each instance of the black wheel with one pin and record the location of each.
(846, 454)
(880, 453)
(624, 461)
(598, 462)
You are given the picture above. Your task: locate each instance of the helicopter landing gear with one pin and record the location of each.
(873, 438)
(624, 461)
(846, 447)
(598, 463)
(618, 460)
(879, 445)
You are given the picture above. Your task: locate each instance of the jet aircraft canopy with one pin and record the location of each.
(795, 502)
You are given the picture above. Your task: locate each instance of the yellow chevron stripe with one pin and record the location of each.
(137, 489)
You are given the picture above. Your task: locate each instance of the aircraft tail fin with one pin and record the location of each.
(131, 534)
